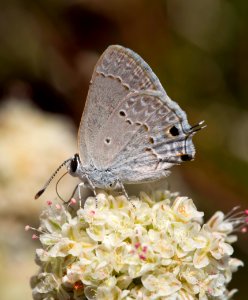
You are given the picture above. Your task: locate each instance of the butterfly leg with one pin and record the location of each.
(91, 185)
(73, 193)
(78, 192)
(71, 200)
(124, 191)
(80, 185)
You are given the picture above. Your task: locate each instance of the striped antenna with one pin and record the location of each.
(40, 192)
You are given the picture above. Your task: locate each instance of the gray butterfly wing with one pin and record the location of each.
(118, 72)
(130, 125)
(159, 139)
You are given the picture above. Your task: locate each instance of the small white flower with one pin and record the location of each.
(185, 210)
(161, 283)
(214, 246)
(219, 225)
(160, 244)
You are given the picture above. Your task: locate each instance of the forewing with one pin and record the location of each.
(118, 72)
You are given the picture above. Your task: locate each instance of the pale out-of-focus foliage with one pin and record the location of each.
(32, 145)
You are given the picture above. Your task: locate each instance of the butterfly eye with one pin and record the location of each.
(73, 165)
(174, 131)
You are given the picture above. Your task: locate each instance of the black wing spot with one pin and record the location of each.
(146, 127)
(151, 140)
(174, 131)
(138, 123)
(122, 113)
(148, 149)
(186, 157)
(107, 140)
(129, 122)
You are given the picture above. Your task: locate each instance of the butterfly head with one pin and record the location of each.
(73, 165)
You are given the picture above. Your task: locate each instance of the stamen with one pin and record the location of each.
(28, 227)
(144, 249)
(240, 228)
(58, 206)
(141, 256)
(238, 219)
(49, 202)
(231, 211)
(73, 201)
(35, 237)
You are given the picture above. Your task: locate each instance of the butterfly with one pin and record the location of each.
(130, 131)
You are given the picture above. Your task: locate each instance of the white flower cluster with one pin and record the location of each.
(156, 248)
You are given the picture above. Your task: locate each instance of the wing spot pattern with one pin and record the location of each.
(174, 131)
(151, 140)
(186, 157)
(114, 77)
(150, 150)
(146, 127)
(122, 113)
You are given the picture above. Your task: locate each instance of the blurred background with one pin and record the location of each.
(48, 49)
